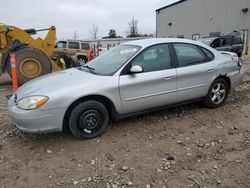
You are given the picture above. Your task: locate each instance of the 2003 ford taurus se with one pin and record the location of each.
(132, 78)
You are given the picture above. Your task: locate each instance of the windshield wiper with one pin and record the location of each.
(89, 68)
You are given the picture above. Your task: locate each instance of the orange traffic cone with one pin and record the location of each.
(13, 71)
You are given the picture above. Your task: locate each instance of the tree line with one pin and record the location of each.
(131, 32)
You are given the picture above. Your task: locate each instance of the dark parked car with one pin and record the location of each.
(231, 42)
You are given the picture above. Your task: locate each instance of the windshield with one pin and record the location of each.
(61, 44)
(109, 62)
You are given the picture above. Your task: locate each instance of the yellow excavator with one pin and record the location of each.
(33, 56)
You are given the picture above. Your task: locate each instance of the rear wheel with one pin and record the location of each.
(217, 94)
(31, 63)
(89, 119)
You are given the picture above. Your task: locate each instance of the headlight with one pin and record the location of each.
(32, 102)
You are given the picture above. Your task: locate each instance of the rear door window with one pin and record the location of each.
(226, 41)
(85, 46)
(208, 53)
(188, 54)
(74, 45)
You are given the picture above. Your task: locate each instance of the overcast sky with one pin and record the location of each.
(80, 15)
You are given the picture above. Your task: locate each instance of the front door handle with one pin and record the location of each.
(168, 77)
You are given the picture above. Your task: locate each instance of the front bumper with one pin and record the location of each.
(36, 121)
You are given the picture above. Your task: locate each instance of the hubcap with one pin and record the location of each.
(30, 68)
(90, 121)
(218, 93)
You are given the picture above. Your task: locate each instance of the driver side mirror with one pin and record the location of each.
(136, 69)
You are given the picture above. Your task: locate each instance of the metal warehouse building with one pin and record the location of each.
(196, 19)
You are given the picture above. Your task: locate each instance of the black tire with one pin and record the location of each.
(67, 61)
(88, 120)
(82, 58)
(40, 64)
(216, 97)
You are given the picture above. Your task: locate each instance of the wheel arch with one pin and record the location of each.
(100, 98)
(224, 77)
(227, 79)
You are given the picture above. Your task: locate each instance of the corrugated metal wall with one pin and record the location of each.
(203, 17)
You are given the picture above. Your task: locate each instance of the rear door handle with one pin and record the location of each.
(168, 77)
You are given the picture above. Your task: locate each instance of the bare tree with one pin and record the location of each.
(132, 28)
(75, 35)
(94, 31)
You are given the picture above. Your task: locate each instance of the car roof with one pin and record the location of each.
(232, 34)
(149, 42)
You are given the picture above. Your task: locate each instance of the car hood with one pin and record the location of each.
(55, 82)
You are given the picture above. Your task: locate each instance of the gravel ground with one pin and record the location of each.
(5, 79)
(188, 146)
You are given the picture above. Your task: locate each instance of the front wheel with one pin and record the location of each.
(89, 119)
(217, 94)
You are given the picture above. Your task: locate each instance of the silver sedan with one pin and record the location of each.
(132, 78)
